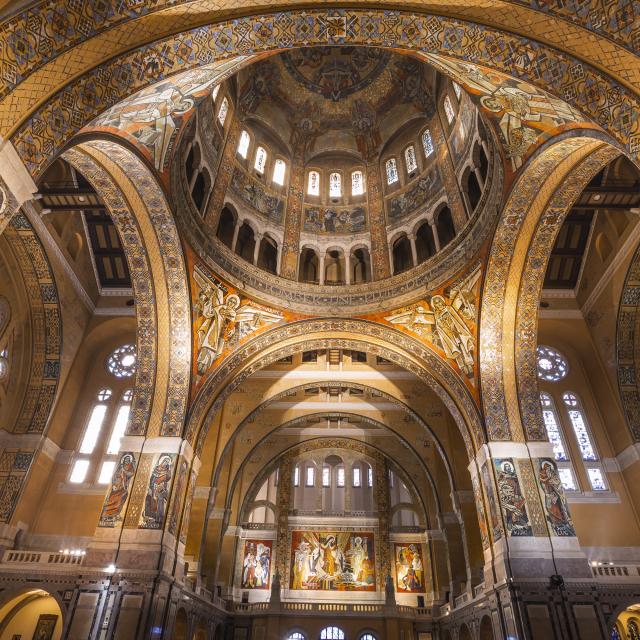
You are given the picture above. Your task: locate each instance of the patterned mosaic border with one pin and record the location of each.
(254, 356)
(612, 106)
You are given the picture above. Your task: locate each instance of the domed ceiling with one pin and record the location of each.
(305, 93)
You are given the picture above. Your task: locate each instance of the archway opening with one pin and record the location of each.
(32, 614)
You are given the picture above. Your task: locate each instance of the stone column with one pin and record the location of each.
(381, 489)
(223, 177)
(236, 231)
(347, 268)
(448, 173)
(283, 505)
(293, 219)
(321, 268)
(414, 251)
(380, 263)
(479, 177)
(256, 248)
(436, 238)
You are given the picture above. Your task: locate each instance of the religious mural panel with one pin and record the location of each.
(156, 500)
(254, 193)
(554, 500)
(333, 561)
(410, 574)
(426, 188)
(256, 564)
(334, 219)
(113, 508)
(512, 499)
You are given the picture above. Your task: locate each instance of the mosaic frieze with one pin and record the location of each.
(583, 86)
(321, 220)
(254, 193)
(118, 495)
(425, 188)
(14, 466)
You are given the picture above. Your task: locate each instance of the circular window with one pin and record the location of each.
(104, 394)
(127, 396)
(551, 365)
(122, 362)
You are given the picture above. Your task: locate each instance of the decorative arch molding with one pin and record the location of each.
(601, 98)
(150, 240)
(327, 333)
(541, 244)
(528, 199)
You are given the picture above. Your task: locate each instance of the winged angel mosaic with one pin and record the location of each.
(223, 319)
(444, 321)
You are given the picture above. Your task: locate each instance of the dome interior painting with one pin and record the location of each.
(319, 322)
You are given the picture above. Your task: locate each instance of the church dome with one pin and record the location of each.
(337, 172)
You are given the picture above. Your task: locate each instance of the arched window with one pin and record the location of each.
(367, 636)
(585, 443)
(296, 476)
(410, 159)
(335, 185)
(340, 479)
(313, 184)
(552, 365)
(457, 90)
(448, 109)
(224, 109)
(370, 477)
(427, 143)
(4, 363)
(296, 635)
(357, 183)
(261, 159)
(326, 476)
(214, 93)
(357, 479)
(243, 144)
(94, 425)
(332, 633)
(553, 428)
(279, 169)
(310, 480)
(392, 170)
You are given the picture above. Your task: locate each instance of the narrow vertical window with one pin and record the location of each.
(93, 429)
(341, 476)
(118, 429)
(567, 480)
(391, 480)
(279, 169)
(553, 428)
(370, 477)
(335, 185)
(410, 159)
(448, 109)
(357, 183)
(311, 476)
(261, 159)
(596, 479)
(79, 472)
(356, 476)
(243, 144)
(326, 476)
(222, 112)
(576, 416)
(392, 171)
(427, 143)
(296, 477)
(313, 185)
(457, 90)
(214, 93)
(106, 471)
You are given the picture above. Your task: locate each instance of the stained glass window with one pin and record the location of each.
(392, 171)
(341, 476)
(567, 479)
(122, 362)
(296, 477)
(596, 479)
(224, 109)
(332, 633)
(93, 428)
(104, 395)
(214, 93)
(367, 636)
(356, 476)
(457, 90)
(279, 169)
(326, 476)
(357, 183)
(243, 144)
(553, 428)
(79, 472)
(552, 366)
(119, 428)
(311, 476)
(4, 363)
(335, 185)
(427, 143)
(106, 471)
(576, 416)
(410, 159)
(448, 110)
(313, 186)
(296, 635)
(261, 159)
(370, 477)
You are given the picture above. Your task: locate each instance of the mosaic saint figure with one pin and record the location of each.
(119, 491)
(456, 338)
(249, 568)
(155, 502)
(512, 500)
(554, 500)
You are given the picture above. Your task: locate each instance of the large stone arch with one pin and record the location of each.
(601, 98)
(323, 333)
(142, 216)
(507, 337)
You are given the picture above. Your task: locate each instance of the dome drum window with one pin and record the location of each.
(279, 170)
(410, 160)
(260, 161)
(223, 111)
(335, 186)
(357, 183)
(392, 171)
(427, 143)
(313, 184)
(243, 144)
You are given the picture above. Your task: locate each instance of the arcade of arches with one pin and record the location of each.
(319, 324)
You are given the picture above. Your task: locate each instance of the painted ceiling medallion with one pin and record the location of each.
(336, 72)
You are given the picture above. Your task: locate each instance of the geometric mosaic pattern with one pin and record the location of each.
(590, 91)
